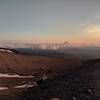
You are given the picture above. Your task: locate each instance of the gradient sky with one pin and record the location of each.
(76, 21)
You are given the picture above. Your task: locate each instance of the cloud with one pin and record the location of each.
(92, 31)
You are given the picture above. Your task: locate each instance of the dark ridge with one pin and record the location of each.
(93, 61)
(39, 52)
(90, 63)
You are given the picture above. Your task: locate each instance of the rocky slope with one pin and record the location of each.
(11, 62)
(80, 84)
(66, 79)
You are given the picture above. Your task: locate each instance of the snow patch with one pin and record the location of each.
(24, 86)
(3, 88)
(4, 50)
(14, 76)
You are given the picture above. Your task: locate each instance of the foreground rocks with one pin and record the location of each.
(80, 84)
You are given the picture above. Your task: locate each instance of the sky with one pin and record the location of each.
(52, 21)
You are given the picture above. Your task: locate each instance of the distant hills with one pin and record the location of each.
(65, 49)
(43, 46)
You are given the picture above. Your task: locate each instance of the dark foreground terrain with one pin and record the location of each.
(55, 78)
(80, 84)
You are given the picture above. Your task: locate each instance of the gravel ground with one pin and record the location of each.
(80, 84)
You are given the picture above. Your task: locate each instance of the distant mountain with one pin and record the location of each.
(42, 46)
(65, 49)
